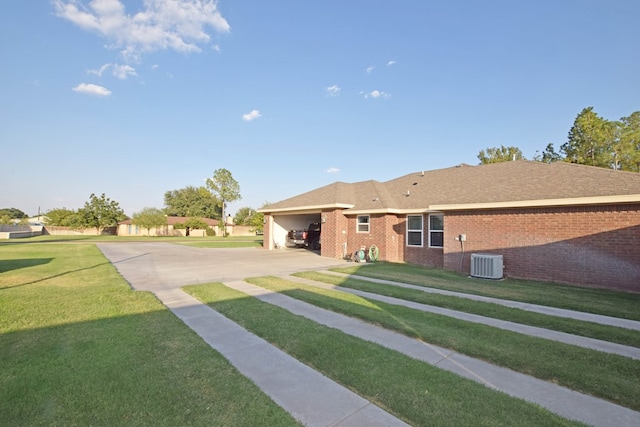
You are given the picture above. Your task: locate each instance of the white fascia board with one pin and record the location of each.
(577, 201)
(391, 211)
(305, 209)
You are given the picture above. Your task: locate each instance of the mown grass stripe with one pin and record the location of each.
(570, 326)
(411, 390)
(607, 376)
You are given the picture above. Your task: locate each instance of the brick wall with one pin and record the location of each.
(387, 232)
(588, 245)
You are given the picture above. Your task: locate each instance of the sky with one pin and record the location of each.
(134, 98)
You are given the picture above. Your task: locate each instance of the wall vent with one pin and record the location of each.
(486, 266)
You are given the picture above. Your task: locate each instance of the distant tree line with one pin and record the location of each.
(592, 140)
(10, 215)
(99, 213)
(194, 203)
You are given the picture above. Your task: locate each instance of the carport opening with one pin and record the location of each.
(282, 224)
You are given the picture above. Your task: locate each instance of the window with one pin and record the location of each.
(414, 230)
(363, 224)
(436, 230)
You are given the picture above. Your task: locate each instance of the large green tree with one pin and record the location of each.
(192, 202)
(225, 188)
(591, 140)
(629, 158)
(63, 217)
(149, 218)
(499, 154)
(101, 212)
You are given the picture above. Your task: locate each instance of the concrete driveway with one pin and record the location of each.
(163, 266)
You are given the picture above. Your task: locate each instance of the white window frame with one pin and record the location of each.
(415, 230)
(436, 231)
(366, 224)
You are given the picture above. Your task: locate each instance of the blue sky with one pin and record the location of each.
(134, 98)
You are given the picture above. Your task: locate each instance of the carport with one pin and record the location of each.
(279, 224)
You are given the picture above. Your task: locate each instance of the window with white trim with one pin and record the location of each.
(362, 224)
(436, 230)
(414, 230)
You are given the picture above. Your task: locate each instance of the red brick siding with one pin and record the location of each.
(334, 226)
(430, 257)
(387, 232)
(589, 245)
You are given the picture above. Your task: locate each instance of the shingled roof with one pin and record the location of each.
(510, 184)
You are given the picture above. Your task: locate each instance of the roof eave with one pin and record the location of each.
(576, 201)
(300, 209)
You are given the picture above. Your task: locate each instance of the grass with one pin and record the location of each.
(611, 377)
(412, 390)
(577, 327)
(79, 347)
(590, 300)
(194, 241)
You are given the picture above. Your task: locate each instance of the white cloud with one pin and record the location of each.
(333, 170)
(161, 24)
(119, 71)
(252, 115)
(123, 71)
(91, 89)
(370, 69)
(376, 94)
(333, 90)
(390, 63)
(100, 70)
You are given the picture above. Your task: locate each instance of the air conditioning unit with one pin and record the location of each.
(486, 266)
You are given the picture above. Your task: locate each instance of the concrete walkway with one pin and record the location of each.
(560, 400)
(163, 268)
(550, 311)
(585, 342)
(307, 395)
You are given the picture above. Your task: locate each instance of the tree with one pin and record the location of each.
(191, 201)
(549, 155)
(149, 218)
(225, 188)
(499, 154)
(591, 140)
(101, 212)
(63, 217)
(629, 158)
(243, 216)
(13, 213)
(251, 217)
(193, 224)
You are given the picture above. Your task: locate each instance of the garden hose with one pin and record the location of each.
(374, 252)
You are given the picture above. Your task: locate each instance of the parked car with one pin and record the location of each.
(313, 236)
(297, 238)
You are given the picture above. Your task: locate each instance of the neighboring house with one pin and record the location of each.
(127, 228)
(555, 222)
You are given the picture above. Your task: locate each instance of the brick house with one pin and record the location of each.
(556, 222)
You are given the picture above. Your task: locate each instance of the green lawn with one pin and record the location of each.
(201, 242)
(576, 327)
(611, 377)
(414, 391)
(591, 300)
(79, 347)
